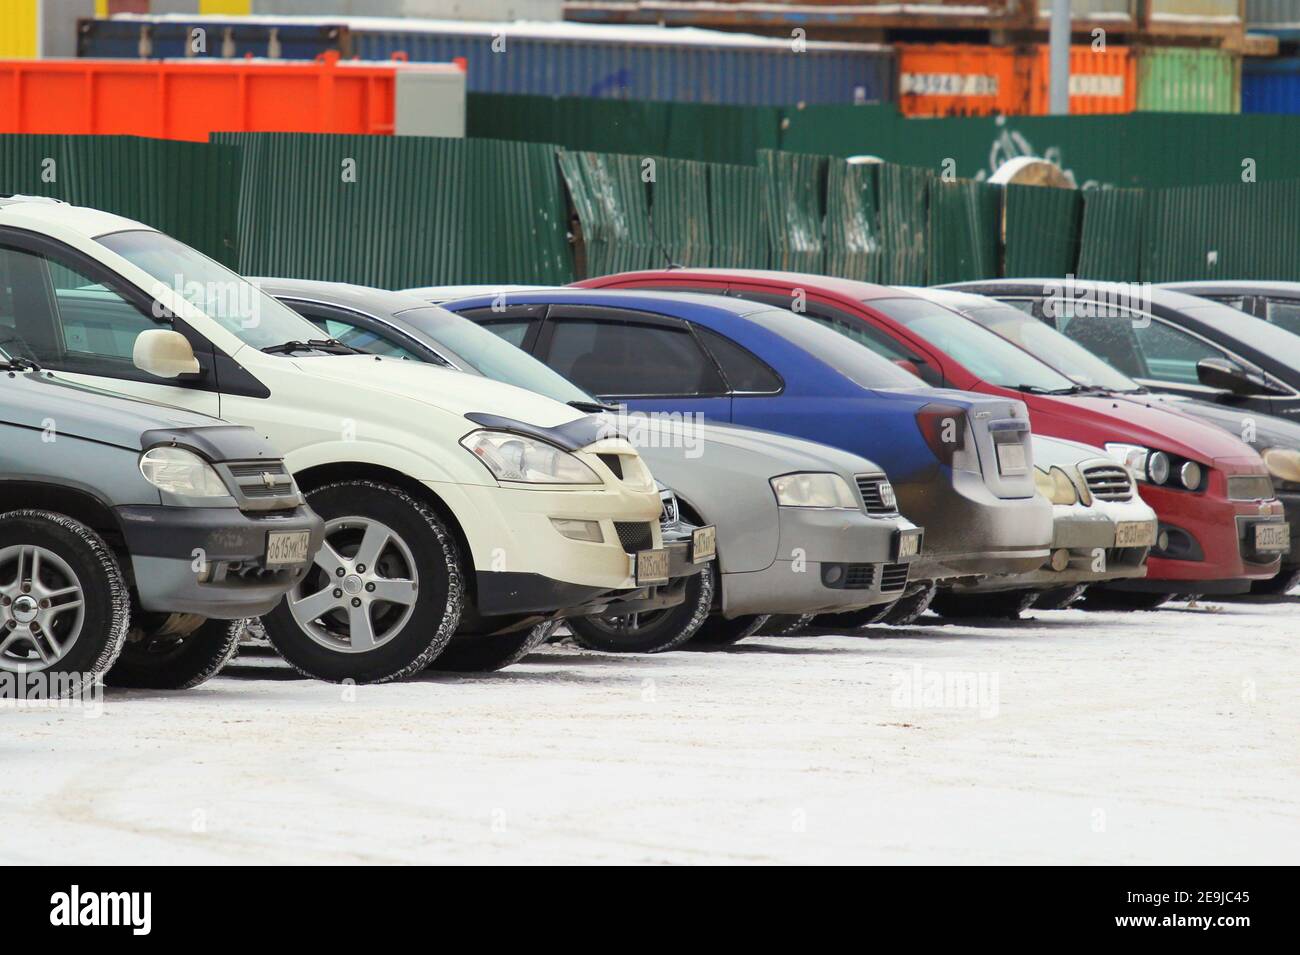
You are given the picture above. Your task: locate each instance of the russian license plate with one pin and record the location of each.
(1135, 534)
(704, 543)
(909, 545)
(652, 567)
(1011, 459)
(1272, 537)
(287, 547)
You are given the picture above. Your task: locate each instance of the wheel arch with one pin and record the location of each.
(74, 502)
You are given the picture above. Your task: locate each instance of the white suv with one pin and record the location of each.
(455, 506)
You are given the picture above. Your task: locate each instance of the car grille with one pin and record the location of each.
(877, 494)
(1107, 482)
(1246, 487)
(893, 577)
(264, 483)
(859, 576)
(634, 536)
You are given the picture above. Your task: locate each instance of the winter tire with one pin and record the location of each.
(653, 632)
(158, 660)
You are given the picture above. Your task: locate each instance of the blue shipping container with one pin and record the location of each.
(1270, 86)
(547, 59)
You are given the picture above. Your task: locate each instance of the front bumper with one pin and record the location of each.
(211, 560)
(1291, 511)
(828, 561)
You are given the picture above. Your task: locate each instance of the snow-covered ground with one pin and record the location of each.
(1069, 737)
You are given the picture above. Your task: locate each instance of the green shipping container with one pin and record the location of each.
(1178, 80)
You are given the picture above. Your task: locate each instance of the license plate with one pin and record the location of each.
(287, 547)
(1273, 537)
(909, 545)
(1135, 534)
(1011, 459)
(704, 544)
(652, 567)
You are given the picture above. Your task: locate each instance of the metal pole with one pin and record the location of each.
(1058, 96)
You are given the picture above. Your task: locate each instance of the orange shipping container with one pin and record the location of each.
(187, 100)
(961, 80)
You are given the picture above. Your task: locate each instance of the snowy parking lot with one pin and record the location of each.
(1069, 736)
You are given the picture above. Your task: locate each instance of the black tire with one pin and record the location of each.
(1285, 581)
(89, 635)
(156, 661)
(852, 619)
(413, 637)
(654, 632)
(1098, 598)
(785, 624)
(907, 610)
(483, 654)
(717, 631)
(1060, 598)
(1006, 605)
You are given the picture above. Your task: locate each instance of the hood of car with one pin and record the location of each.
(433, 386)
(1062, 452)
(1257, 429)
(32, 400)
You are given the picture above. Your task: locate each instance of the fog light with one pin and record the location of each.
(832, 573)
(1060, 559)
(579, 530)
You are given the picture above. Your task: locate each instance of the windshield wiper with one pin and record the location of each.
(1039, 390)
(591, 406)
(331, 346)
(19, 364)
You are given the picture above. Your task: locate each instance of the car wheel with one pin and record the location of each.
(384, 595)
(1059, 598)
(158, 658)
(64, 605)
(1283, 583)
(1098, 598)
(907, 610)
(651, 632)
(785, 624)
(717, 631)
(483, 654)
(1006, 605)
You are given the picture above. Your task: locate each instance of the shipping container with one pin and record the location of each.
(1118, 12)
(545, 59)
(1184, 80)
(1270, 86)
(1187, 12)
(1280, 17)
(959, 80)
(188, 100)
(32, 28)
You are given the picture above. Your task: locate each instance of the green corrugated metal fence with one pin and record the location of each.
(965, 226)
(904, 223)
(738, 218)
(1110, 244)
(679, 205)
(189, 190)
(854, 249)
(795, 196)
(613, 205)
(1041, 231)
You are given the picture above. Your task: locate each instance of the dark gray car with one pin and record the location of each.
(135, 537)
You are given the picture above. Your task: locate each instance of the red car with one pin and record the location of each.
(1208, 488)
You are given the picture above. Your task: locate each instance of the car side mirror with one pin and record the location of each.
(164, 353)
(1232, 377)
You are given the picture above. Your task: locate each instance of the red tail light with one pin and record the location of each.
(944, 430)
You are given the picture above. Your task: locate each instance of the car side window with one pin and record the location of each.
(516, 325)
(512, 330)
(626, 359)
(65, 319)
(1171, 354)
(745, 373)
(864, 334)
(1284, 314)
(1110, 337)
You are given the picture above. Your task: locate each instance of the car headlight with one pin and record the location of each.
(1055, 485)
(1145, 464)
(813, 489)
(1283, 464)
(516, 457)
(181, 472)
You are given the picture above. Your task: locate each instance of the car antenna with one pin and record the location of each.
(654, 233)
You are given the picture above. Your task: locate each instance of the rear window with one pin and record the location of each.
(856, 362)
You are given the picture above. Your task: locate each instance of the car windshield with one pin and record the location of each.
(981, 352)
(1265, 337)
(856, 362)
(1051, 347)
(239, 306)
(491, 356)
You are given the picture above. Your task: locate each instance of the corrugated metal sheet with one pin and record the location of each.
(1184, 10)
(1114, 11)
(563, 59)
(1270, 15)
(853, 243)
(613, 206)
(189, 190)
(1181, 80)
(1041, 231)
(1110, 244)
(679, 210)
(738, 217)
(420, 211)
(1270, 86)
(904, 223)
(794, 191)
(20, 29)
(965, 231)
(701, 131)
